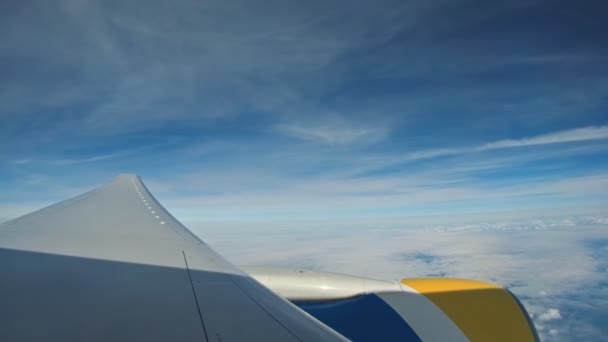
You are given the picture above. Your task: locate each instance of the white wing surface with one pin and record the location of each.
(114, 265)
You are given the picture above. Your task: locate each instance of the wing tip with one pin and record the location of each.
(126, 176)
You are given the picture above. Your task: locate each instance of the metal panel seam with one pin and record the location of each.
(198, 308)
(262, 307)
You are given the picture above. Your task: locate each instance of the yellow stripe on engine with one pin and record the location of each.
(483, 311)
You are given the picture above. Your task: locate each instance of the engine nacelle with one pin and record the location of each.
(419, 309)
(298, 285)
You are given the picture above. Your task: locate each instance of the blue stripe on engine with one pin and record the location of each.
(363, 318)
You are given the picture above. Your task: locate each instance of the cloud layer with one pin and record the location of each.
(562, 291)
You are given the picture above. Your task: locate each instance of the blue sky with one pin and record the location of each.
(323, 109)
(345, 122)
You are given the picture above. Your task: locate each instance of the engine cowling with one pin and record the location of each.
(416, 309)
(303, 285)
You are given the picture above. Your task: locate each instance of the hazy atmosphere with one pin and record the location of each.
(388, 139)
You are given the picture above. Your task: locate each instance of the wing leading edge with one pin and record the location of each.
(113, 264)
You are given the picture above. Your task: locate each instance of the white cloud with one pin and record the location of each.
(334, 131)
(494, 251)
(259, 193)
(571, 135)
(529, 261)
(90, 159)
(550, 315)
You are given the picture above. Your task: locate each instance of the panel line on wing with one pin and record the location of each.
(262, 307)
(198, 308)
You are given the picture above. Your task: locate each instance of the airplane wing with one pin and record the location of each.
(114, 265)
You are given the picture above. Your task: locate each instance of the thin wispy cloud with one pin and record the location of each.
(566, 136)
(571, 135)
(89, 159)
(334, 132)
(20, 161)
